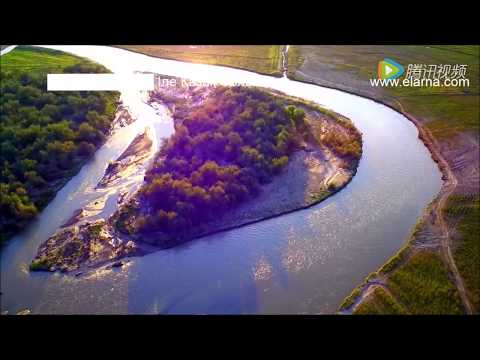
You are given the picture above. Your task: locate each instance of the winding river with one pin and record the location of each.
(303, 262)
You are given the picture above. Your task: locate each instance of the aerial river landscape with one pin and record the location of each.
(305, 262)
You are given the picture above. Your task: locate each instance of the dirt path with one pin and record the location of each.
(449, 187)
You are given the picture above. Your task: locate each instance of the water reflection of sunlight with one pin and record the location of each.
(24, 269)
(262, 270)
(106, 271)
(294, 257)
(309, 249)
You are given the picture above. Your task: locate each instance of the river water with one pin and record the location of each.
(303, 262)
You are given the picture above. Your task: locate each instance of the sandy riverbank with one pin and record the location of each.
(80, 242)
(138, 150)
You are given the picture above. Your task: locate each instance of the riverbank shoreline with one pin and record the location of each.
(435, 209)
(252, 222)
(278, 74)
(240, 224)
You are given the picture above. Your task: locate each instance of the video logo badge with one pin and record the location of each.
(389, 69)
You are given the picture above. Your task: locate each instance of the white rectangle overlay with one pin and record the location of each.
(100, 82)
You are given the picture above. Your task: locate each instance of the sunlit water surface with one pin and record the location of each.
(304, 262)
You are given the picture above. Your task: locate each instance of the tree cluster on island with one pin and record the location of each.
(219, 156)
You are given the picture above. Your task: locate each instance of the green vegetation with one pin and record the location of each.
(423, 286)
(219, 155)
(467, 252)
(350, 299)
(342, 146)
(95, 230)
(66, 252)
(378, 303)
(353, 296)
(419, 286)
(264, 59)
(30, 59)
(318, 196)
(402, 254)
(40, 264)
(72, 249)
(44, 136)
(395, 260)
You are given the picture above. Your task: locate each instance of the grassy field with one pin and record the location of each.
(264, 59)
(423, 286)
(467, 253)
(420, 286)
(25, 58)
(451, 115)
(379, 302)
(445, 110)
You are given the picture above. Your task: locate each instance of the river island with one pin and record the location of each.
(239, 155)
